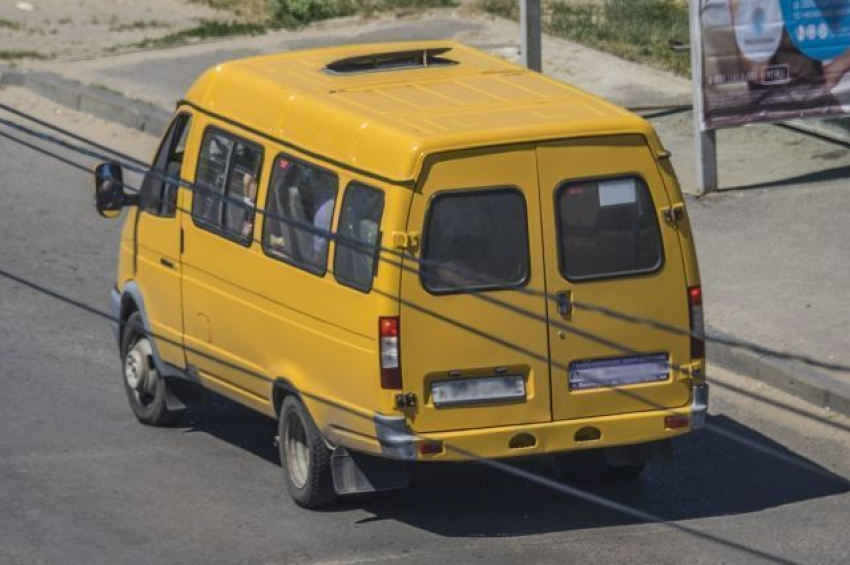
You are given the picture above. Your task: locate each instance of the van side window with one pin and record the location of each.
(607, 228)
(299, 211)
(358, 236)
(475, 240)
(226, 180)
(157, 195)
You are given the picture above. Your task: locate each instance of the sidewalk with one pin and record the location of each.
(772, 246)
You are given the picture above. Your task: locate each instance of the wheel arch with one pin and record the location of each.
(280, 390)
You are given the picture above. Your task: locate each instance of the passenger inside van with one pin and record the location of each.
(300, 211)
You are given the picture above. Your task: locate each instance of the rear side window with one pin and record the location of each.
(475, 240)
(358, 236)
(299, 211)
(607, 228)
(227, 177)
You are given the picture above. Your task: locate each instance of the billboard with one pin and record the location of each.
(769, 60)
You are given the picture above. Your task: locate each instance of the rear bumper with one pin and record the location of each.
(549, 437)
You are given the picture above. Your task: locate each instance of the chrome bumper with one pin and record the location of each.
(699, 406)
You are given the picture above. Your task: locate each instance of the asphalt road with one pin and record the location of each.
(81, 482)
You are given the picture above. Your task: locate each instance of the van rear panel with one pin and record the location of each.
(535, 263)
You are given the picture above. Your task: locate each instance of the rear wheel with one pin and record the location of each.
(144, 387)
(305, 458)
(587, 466)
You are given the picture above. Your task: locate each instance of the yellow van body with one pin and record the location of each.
(228, 314)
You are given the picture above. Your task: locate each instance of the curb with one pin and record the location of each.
(98, 102)
(794, 377)
(811, 385)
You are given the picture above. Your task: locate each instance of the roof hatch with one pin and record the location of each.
(392, 61)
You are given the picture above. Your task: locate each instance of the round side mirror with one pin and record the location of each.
(109, 195)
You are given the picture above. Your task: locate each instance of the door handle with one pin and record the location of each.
(166, 263)
(564, 300)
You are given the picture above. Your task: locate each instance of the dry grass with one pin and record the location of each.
(637, 30)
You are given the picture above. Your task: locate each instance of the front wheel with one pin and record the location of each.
(305, 458)
(145, 388)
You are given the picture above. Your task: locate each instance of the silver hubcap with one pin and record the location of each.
(139, 371)
(297, 450)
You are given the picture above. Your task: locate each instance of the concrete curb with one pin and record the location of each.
(798, 379)
(98, 102)
(794, 377)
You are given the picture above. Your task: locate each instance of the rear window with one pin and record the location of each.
(608, 228)
(475, 240)
(358, 236)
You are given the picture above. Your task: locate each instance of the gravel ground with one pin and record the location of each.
(66, 29)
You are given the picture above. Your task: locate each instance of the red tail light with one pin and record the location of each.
(675, 421)
(388, 330)
(697, 323)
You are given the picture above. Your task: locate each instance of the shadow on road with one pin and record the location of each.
(709, 476)
(825, 175)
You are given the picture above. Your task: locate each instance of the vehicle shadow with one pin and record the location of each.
(822, 176)
(710, 475)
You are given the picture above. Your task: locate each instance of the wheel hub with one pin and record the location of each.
(139, 371)
(297, 450)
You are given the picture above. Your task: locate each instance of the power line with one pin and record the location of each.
(587, 335)
(331, 236)
(541, 480)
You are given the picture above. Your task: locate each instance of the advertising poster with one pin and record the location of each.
(769, 60)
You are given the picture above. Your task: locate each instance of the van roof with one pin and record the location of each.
(382, 108)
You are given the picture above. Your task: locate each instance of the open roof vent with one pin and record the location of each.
(393, 61)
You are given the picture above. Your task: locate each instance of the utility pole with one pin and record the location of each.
(705, 139)
(529, 18)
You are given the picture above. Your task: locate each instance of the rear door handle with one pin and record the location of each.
(167, 263)
(564, 300)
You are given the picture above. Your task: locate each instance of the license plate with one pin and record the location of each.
(470, 391)
(619, 371)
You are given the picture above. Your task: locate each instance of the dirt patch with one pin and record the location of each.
(69, 29)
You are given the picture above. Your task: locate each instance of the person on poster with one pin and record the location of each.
(789, 56)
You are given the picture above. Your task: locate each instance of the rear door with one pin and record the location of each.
(607, 245)
(473, 317)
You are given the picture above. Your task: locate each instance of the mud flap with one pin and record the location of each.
(358, 473)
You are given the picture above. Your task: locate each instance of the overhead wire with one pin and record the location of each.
(558, 324)
(507, 468)
(502, 466)
(587, 335)
(331, 236)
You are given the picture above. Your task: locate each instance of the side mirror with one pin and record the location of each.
(109, 194)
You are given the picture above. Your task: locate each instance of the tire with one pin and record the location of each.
(624, 473)
(144, 387)
(304, 457)
(591, 466)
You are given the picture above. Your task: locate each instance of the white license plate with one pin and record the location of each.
(471, 391)
(620, 371)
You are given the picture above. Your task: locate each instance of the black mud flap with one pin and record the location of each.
(358, 473)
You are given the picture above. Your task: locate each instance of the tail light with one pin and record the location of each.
(390, 353)
(697, 323)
